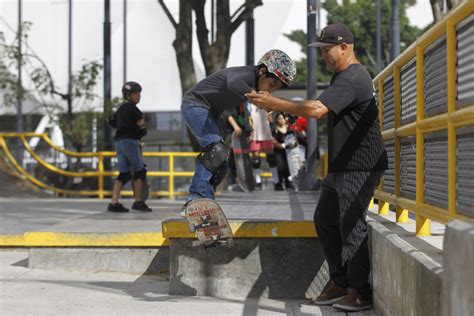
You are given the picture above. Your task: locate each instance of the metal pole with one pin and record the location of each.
(250, 39)
(107, 71)
(213, 6)
(379, 36)
(19, 101)
(107, 87)
(395, 30)
(69, 70)
(124, 40)
(307, 178)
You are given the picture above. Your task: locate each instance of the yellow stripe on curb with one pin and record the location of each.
(171, 229)
(249, 229)
(52, 239)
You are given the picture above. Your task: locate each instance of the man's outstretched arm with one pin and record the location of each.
(307, 108)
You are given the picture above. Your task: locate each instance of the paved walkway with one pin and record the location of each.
(25, 291)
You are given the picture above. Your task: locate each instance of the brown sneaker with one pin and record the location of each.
(354, 302)
(331, 294)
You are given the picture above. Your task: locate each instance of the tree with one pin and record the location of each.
(214, 55)
(360, 17)
(437, 7)
(76, 126)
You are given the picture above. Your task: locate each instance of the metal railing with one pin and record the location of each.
(100, 173)
(426, 100)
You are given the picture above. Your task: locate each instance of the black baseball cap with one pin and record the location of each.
(334, 34)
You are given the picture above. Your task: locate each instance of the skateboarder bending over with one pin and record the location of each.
(357, 160)
(130, 124)
(223, 90)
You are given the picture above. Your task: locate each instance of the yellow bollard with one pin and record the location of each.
(402, 215)
(423, 226)
(384, 208)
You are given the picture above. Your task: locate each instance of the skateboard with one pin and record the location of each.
(295, 157)
(207, 220)
(243, 164)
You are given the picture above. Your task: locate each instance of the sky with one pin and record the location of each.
(151, 59)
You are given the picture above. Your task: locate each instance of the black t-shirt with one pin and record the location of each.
(224, 89)
(354, 139)
(127, 117)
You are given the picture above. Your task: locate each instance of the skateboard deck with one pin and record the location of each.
(295, 157)
(243, 164)
(207, 220)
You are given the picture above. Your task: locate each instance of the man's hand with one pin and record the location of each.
(262, 99)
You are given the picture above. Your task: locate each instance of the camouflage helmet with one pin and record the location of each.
(279, 64)
(129, 88)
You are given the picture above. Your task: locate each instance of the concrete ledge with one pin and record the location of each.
(58, 239)
(280, 268)
(125, 260)
(405, 280)
(458, 283)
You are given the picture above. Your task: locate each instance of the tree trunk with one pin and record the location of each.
(183, 45)
(214, 55)
(437, 9)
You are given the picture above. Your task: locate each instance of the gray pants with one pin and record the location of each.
(342, 227)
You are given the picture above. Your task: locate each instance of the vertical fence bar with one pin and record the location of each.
(422, 223)
(171, 177)
(101, 176)
(451, 58)
(383, 206)
(401, 213)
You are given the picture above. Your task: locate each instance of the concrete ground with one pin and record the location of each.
(26, 291)
(26, 214)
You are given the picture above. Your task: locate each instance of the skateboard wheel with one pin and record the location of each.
(191, 228)
(196, 243)
(230, 243)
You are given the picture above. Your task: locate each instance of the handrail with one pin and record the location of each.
(448, 121)
(101, 173)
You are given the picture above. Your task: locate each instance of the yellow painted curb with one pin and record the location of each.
(52, 239)
(248, 229)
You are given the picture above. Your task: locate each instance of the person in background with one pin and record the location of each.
(229, 125)
(130, 124)
(261, 141)
(279, 133)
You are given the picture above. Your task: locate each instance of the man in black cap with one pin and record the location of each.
(357, 160)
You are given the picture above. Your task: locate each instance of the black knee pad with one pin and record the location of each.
(215, 159)
(219, 174)
(214, 155)
(140, 174)
(124, 177)
(271, 160)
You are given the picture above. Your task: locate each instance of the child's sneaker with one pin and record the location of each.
(117, 207)
(140, 206)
